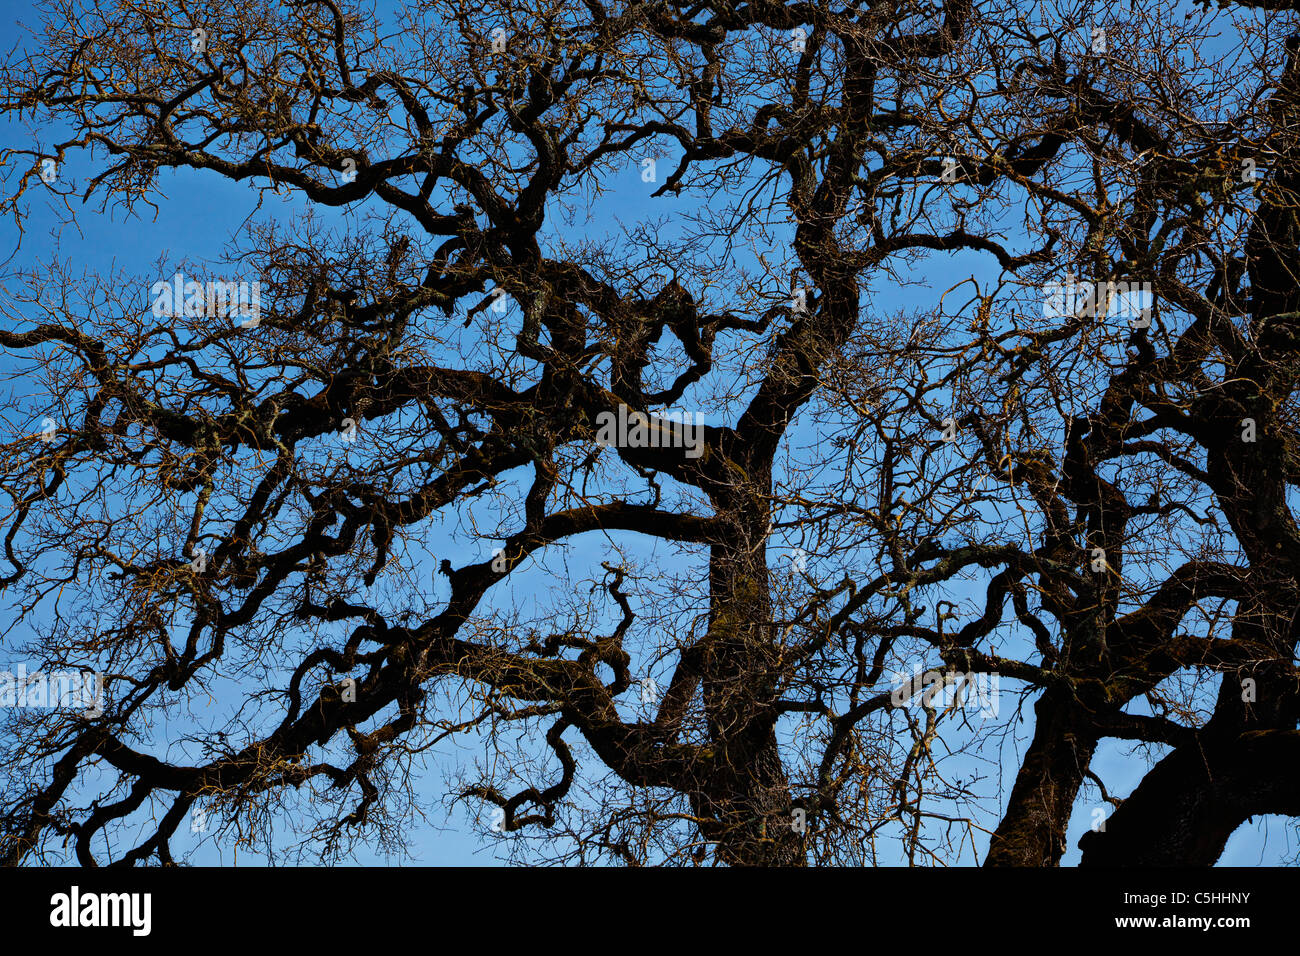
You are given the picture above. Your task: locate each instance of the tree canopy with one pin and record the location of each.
(683, 375)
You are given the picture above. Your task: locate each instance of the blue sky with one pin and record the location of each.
(197, 220)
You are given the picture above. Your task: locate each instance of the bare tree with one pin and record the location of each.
(237, 481)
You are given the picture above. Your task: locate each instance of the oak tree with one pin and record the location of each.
(760, 353)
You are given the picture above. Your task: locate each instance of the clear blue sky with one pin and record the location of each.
(196, 221)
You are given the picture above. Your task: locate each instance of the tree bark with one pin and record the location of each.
(1032, 831)
(747, 793)
(1186, 808)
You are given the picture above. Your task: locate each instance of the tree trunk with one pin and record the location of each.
(747, 793)
(1032, 831)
